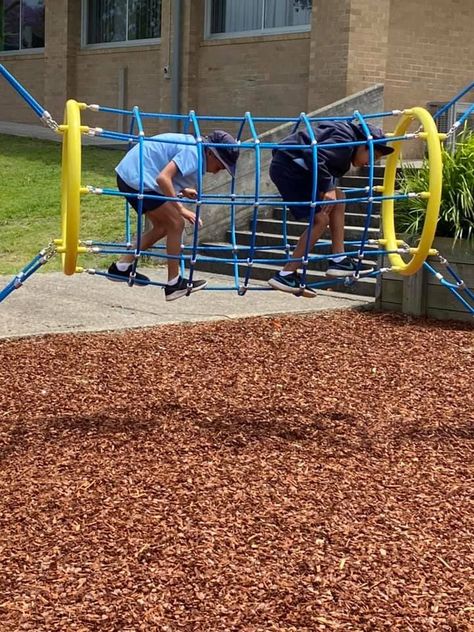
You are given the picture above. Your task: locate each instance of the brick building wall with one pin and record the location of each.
(420, 51)
(100, 73)
(368, 43)
(29, 70)
(268, 76)
(329, 52)
(430, 51)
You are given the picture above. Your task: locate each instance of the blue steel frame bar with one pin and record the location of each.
(34, 105)
(459, 96)
(314, 197)
(370, 199)
(141, 135)
(454, 288)
(256, 204)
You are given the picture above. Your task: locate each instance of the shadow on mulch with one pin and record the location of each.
(444, 433)
(234, 429)
(60, 428)
(327, 430)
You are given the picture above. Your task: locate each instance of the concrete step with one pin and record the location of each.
(363, 172)
(273, 227)
(359, 182)
(244, 237)
(353, 217)
(279, 254)
(263, 272)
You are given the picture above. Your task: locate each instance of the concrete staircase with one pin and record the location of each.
(269, 232)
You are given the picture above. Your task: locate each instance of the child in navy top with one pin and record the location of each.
(291, 170)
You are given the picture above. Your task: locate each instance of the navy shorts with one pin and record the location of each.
(295, 184)
(148, 204)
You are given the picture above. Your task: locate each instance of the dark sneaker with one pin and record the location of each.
(346, 268)
(124, 275)
(179, 289)
(290, 283)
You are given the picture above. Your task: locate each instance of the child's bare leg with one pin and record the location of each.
(150, 237)
(336, 224)
(173, 244)
(321, 220)
(165, 221)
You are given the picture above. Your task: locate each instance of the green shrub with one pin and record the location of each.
(456, 215)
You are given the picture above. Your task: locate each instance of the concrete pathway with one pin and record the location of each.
(53, 303)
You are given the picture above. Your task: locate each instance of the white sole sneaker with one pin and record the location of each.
(179, 293)
(296, 291)
(346, 273)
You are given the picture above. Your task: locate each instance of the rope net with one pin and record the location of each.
(228, 206)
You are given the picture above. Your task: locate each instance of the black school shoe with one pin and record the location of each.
(291, 284)
(347, 268)
(179, 289)
(124, 275)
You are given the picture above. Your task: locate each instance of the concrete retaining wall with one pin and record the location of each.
(422, 294)
(216, 218)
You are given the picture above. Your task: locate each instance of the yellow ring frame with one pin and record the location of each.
(68, 245)
(421, 252)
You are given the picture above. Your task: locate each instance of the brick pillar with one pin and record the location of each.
(329, 52)
(165, 62)
(349, 46)
(368, 43)
(192, 15)
(62, 41)
(193, 33)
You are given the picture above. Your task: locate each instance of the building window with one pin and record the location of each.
(257, 16)
(111, 21)
(21, 24)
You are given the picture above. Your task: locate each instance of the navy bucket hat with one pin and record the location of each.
(377, 134)
(228, 156)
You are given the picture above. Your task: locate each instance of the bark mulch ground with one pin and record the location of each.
(269, 474)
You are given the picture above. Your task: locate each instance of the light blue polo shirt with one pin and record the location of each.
(156, 155)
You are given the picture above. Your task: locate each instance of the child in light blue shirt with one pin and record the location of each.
(169, 167)
(157, 153)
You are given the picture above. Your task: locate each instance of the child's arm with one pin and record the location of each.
(165, 182)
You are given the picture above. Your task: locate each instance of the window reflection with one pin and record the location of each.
(122, 20)
(238, 16)
(21, 24)
(11, 25)
(32, 24)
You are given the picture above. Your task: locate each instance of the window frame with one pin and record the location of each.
(278, 30)
(26, 51)
(150, 41)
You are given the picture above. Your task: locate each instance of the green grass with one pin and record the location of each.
(30, 201)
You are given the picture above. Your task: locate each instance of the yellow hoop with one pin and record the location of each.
(68, 245)
(435, 183)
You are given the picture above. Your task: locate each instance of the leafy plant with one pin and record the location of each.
(456, 215)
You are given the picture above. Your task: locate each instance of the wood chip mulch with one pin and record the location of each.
(297, 473)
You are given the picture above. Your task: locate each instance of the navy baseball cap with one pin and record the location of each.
(377, 134)
(228, 156)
